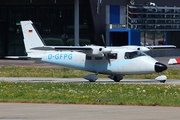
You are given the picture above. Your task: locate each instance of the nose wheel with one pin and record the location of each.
(162, 81)
(161, 78)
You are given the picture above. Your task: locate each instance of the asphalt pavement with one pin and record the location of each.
(31, 111)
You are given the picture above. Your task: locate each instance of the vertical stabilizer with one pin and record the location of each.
(31, 36)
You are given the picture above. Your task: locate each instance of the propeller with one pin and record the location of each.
(103, 40)
(106, 50)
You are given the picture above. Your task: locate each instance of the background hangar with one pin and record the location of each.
(81, 22)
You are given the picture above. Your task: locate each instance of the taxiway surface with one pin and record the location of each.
(17, 111)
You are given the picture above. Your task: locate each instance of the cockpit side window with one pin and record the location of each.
(131, 55)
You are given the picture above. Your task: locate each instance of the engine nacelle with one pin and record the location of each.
(116, 78)
(99, 51)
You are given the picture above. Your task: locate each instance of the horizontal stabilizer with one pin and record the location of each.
(17, 57)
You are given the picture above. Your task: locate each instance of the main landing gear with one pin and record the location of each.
(94, 77)
(91, 77)
(116, 78)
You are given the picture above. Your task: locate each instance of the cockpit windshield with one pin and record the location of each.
(134, 54)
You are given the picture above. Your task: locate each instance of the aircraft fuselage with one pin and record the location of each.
(116, 64)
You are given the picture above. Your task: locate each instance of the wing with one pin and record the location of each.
(161, 47)
(65, 48)
(99, 51)
(144, 48)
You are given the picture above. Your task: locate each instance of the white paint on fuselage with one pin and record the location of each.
(119, 66)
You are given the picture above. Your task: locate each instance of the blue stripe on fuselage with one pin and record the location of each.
(90, 65)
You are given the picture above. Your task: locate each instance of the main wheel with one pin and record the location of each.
(92, 81)
(115, 79)
(162, 81)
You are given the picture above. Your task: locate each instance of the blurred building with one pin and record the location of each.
(122, 22)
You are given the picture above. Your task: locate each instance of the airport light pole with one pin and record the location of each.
(76, 22)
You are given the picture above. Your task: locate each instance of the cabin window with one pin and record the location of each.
(98, 58)
(112, 55)
(88, 57)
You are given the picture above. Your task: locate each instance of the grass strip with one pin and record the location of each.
(90, 93)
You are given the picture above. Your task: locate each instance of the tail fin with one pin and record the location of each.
(31, 36)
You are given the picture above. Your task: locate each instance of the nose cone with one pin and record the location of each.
(159, 67)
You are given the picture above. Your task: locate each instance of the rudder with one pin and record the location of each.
(31, 36)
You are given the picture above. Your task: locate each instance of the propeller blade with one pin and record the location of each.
(108, 59)
(103, 40)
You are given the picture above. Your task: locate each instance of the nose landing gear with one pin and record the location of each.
(161, 78)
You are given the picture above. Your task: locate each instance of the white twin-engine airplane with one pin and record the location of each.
(113, 61)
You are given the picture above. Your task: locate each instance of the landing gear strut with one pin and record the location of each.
(91, 77)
